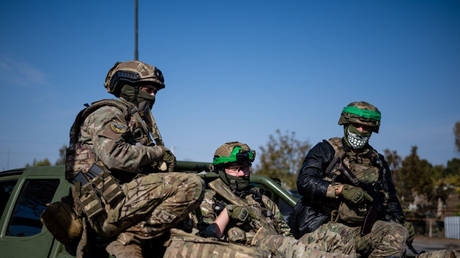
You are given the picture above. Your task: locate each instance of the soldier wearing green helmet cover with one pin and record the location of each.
(345, 182)
(234, 211)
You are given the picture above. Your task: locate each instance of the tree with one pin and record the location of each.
(457, 135)
(417, 174)
(61, 159)
(39, 163)
(393, 159)
(282, 157)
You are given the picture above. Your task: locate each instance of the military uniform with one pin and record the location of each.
(352, 163)
(114, 164)
(262, 226)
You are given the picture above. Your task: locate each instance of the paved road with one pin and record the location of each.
(429, 244)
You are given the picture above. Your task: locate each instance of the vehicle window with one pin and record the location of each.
(35, 194)
(6, 187)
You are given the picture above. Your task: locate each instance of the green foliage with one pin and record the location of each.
(417, 174)
(282, 157)
(61, 159)
(39, 163)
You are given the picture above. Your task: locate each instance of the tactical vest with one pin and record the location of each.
(80, 156)
(359, 169)
(259, 215)
(95, 187)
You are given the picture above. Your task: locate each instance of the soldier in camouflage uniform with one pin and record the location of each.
(233, 211)
(113, 163)
(346, 183)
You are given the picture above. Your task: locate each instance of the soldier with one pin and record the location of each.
(346, 183)
(112, 162)
(233, 211)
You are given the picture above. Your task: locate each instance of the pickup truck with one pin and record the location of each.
(25, 192)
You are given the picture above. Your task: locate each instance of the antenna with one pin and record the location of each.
(136, 53)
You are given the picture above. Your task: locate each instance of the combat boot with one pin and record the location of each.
(125, 246)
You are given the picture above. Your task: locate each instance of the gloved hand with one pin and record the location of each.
(237, 212)
(410, 228)
(355, 194)
(364, 245)
(169, 159)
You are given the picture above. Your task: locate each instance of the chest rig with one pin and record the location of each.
(80, 156)
(95, 188)
(364, 169)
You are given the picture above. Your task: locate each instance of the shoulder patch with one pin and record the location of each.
(118, 128)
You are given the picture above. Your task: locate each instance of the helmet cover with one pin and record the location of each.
(134, 73)
(233, 152)
(361, 113)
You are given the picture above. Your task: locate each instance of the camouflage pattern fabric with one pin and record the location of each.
(117, 143)
(266, 210)
(330, 237)
(346, 118)
(117, 137)
(271, 229)
(387, 238)
(327, 242)
(155, 203)
(440, 254)
(184, 245)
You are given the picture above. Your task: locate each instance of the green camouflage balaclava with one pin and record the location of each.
(233, 153)
(135, 95)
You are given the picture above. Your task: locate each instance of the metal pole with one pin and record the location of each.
(136, 54)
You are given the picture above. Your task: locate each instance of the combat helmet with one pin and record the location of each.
(361, 113)
(233, 152)
(134, 73)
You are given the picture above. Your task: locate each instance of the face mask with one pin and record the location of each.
(354, 138)
(236, 183)
(142, 99)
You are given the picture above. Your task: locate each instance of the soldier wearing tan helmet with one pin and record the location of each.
(345, 182)
(124, 188)
(234, 211)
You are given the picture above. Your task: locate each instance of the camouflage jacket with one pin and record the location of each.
(325, 164)
(263, 213)
(111, 133)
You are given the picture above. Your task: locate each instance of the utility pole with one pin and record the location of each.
(136, 54)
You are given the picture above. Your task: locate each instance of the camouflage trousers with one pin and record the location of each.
(325, 242)
(385, 238)
(153, 204)
(184, 245)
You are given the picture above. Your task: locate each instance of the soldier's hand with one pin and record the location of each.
(364, 245)
(410, 228)
(355, 194)
(169, 159)
(239, 213)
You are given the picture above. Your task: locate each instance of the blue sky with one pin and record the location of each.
(235, 70)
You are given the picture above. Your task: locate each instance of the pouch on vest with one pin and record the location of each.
(102, 189)
(351, 215)
(62, 222)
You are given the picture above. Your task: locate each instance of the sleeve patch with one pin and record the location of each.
(118, 128)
